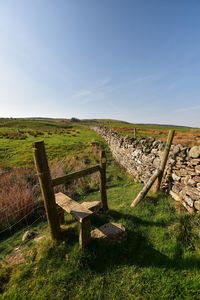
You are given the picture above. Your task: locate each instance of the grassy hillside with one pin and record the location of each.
(159, 260)
(184, 135)
(61, 138)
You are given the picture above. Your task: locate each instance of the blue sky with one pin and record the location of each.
(137, 61)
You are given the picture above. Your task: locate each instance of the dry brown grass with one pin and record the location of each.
(18, 195)
(186, 138)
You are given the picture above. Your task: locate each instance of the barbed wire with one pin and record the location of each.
(24, 228)
(12, 206)
(13, 225)
(22, 208)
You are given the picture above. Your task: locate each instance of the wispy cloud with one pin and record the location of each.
(138, 81)
(82, 93)
(189, 108)
(143, 78)
(96, 89)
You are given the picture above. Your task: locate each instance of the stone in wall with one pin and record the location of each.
(194, 152)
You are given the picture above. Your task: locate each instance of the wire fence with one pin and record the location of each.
(16, 211)
(20, 199)
(24, 229)
(30, 218)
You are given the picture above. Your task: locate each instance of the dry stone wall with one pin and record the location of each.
(140, 157)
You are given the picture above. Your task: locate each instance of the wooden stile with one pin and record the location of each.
(56, 204)
(44, 176)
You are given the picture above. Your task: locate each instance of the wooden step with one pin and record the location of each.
(94, 206)
(72, 207)
(110, 232)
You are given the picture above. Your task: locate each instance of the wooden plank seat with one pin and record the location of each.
(72, 207)
(94, 206)
(81, 214)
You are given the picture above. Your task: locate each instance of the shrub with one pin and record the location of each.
(18, 195)
(74, 119)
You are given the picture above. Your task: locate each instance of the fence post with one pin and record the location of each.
(44, 176)
(158, 181)
(134, 133)
(146, 188)
(103, 180)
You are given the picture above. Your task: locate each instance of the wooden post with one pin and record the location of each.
(146, 188)
(103, 180)
(84, 234)
(61, 215)
(44, 176)
(157, 183)
(134, 133)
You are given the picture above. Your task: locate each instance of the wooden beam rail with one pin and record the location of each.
(75, 175)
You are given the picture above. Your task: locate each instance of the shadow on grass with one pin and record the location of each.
(137, 250)
(115, 216)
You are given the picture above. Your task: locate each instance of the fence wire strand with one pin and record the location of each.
(20, 220)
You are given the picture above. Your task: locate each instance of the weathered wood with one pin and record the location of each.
(84, 234)
(134, 133)
(44, 176)
(75, 175)
(103, 180)
(81, 214)
(72, 207)
(94, 206)
(110, 232)
(158, 181)
(146, 188)
(61, 215)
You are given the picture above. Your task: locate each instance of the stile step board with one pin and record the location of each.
(110, 232)
(94, 206)
(72, 207)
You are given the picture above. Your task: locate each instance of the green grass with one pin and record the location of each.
(70, 141)
(159, 260)
(45, 123)
(122, 124)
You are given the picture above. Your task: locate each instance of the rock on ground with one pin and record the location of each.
(28, 235)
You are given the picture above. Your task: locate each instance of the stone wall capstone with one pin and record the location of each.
(140, 157)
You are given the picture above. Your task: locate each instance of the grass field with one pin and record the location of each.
(17, 136)
(61, 139)
(159, 260)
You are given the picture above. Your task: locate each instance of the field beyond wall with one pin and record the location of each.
(159, 260)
